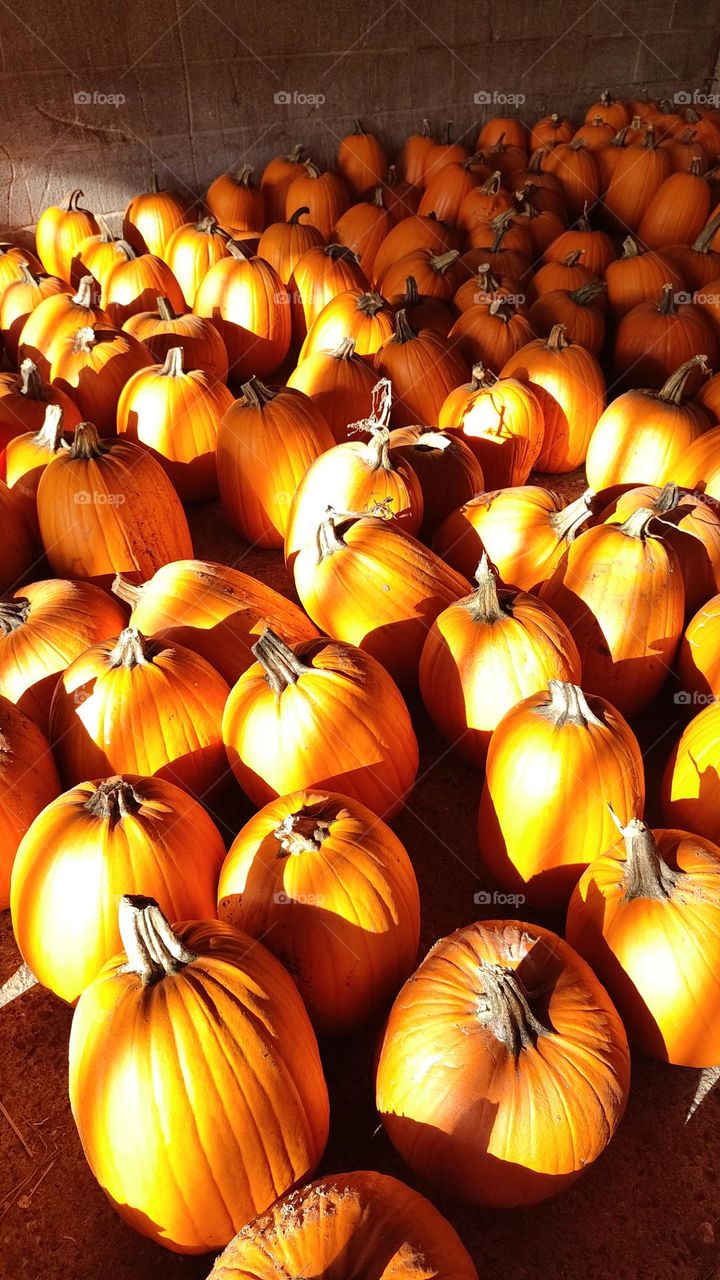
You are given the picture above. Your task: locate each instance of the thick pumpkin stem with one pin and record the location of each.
(482, 379)
(301, 833)
(26, 275)
(500, 225)
(378, 447)
(667, 305)
(50, 436)
(236, 251)
(153, 951)
(334, 251)
(173, 366)
(208, 226)
(370, 303)
(558, 339)
(566, 523)
(486, 281)
(329, 540)
(127, 249)
(441, 261)
(412, 296)
(484, 603)
(568, 705)
(72, 202)
(403, 330)
(13, 613)
(130, 592)
(586, 294)
(106, 235)
(311, 169)
(165, 309)
(630, 248)
(130, 650)
(84, 340)
(637, 522)
(346, 349)
(492, 185)
(87, 443)
(647, 874)
(282, 666)
(504, 1009)
(113, 800)
(85, 291)
(668, 498)
(31, 383)
(256, 393)
(704, 240)
(297, 215)
(673, 390)
(243, 175)
(536, 160)
(573, 258)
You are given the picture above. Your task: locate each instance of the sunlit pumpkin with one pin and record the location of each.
(436, 275)
(638, 276)
(423, 367)
(163, 329)
(596, 247)
(448, 470)
(20, 299)
(655, 337)
(447, 189)
(339, 382)
(92, 366)
(341, 719)
(59, 317)
(27, 455)
(690, 791)
(485, 202)
(282, 244)
(191, 251)
(698, 661)
(28, 781)
(361, 160)
(324, 196)
(319, 276)
(277, 177)
(59, 231)
(502, 421)
(699, 467)
(250, 306)
(135, 285)
(236, 202)
(11, 258)
(152, 218)
(159, 1142)
(364, 317)
(568, 274)
(24, 400)
(96, 256)
(416, 232)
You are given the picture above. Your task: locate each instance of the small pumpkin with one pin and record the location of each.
(502, 422)
(282, 244)
(92, 367)
(250, 307)
(12, 256)
(191, 251)
(363, 227)
(573, 163)
(448, 470)
(568, 274)
(364, 317)
(436, 275)
(19, 300)
(484, 202)
(361, 160)
(576, 310)
(59, 231)
(698, 662)
(502, 128)
(27, 455)
(441, 154)
(596, 247)
(96, 256)
(640, 171)
(610, 110)
(276, 180)
(236, 202)
(422, 312)
(152, 218)
(413, 233)
(423, 367)
(491, 335)
(325, 197)
(339, 382)
(162, 329)
(134, 285)
(699, 262)
(28, 782)
(446, 191)
(550, 130)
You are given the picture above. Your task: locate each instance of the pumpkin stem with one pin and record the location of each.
(130, 592)
(72, 202)
(484, 603)
(130, 650)
(567, 704)
(667, 305)
(647, 874)
(502, 308)
(297, 153)
(673, 390)
(346, 349)
(113, 800)
(694, 167)
(536, 159)
(668, 498)
(84, 340)
(425, 131)
(557, 340)
(573, 258)
(153, 951)
(50, 436)
(486, 281)
(127, 249)
(297, 215)
(630, 247)
(106, 235)
(370, 303)
(333, 251)
(31, 383)
(13, 613)
(378, 447)
(492, 185)
(301, 833)
(311, 169)
(85, 291)
(173, 366)
(282, 667)
(586, 294)
(165, 309)
(256, 393)
(236, 251)
(86, 442)
(566, 523)
(504, 1008)
(243, 175)
(703, 242)
(208, 226)
(26, 275)
(412, 296)
(403, 331)
(329, 540)
(441, 261)
(500, 225)
(637, 522)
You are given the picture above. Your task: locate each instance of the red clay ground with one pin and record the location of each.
(648, 1210)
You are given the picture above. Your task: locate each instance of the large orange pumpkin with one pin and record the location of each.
(324, 196)
(576, 310)
(250, 306)
(655, 337)
(236, 202)
(503, 423)
(20, 299)
(699, 262)
(235, 1109)
(163, 329)
(364, 317)
(332, 892)
(58, 317)
(282, 244)
(151, 219)
(436, 275)
(319, 276)
(361, 160)
(59, 231)
(678, 211)
(574, 164)
(448, 470)
(339, 382)
(416, 232)
(596, 247)
(12, 257)
(191, 251)
(92, 367)
(699, 467)
(24, 401)
(341, 719)
(135, 284)
(85, 850)
(521, 1019)
(638, 276)
(423, 367)
(28, 781)
(698, 664)
(690, 791)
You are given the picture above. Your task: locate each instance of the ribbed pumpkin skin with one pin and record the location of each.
(650, 345)
(341, 910)
(490, 339)
(381, 590)
(55, 318)
(283, 244)
(624, 600)
(250, 306)
(95, 374)
(447, 468)
(596, 247)
(28, 781)
(340, 385)
(73, 866)
(277, 178)
(699, 468)
(652, 953)
(26, 457)
(362, 162)
(265, 445)
(361, 741)
(58, 233)
(43, 628)
(324, 195)
(135, 285)
(11, 258)
(362, 228)
(175, 695)
(416, 232)
(677, 212)
(690, 792)
(96, 256)
(21, 413)
(423, 370)
(568, 770)
(639, 174)
(17, 304)
(638, 278)
(698, 663)
(202, 346)
(191, 251)
(473, 1119)
(377, 1225)
(151, 219)
(234, 1110)
(642, 439)
(364, 317)
(320, 275)
(216, 611)
(502, 423)
(20, 550)
(236, 202)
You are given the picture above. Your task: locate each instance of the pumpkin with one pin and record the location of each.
(59, 231)
(607, 158)
(135, 284)
(569, 384)
(596, 247)
(509, 159)
(191, 251)
(364, 317)
(490, 335)
(568, 274)
(213, 609)
(163, 329)
(27, 455)
(107, 507)
(96, 256)
(401, 199)
(684, 149)
(610, 110)
(361, 742)
(175, 414)
(324, 196)
(423, 367)
(412, 156)
(484, 287)
(583, 757)
(709, 396)
(678, 211)
(276, 180)
(24, 400)
(596, 133)
(236, 203)
(92, 367)
(363, 227)
(543, 200)
(151, 219)
(699, 466)
(441, 154)
(333, 892)
(19, 300)
(361, 160)
(637, 277)
(655, 337)
(643, 435)
(58, 317)
(282, 244)
(267, 440)
(250, 307)
(708, 299)
(525, 530)
(448, 470)
(422, 312)
(485, 653)
(544, 224)
(118, 684)
(28, 782)
(620, 590)
(698, 263)
(705, 123)
(12, 257)
(690, 794)
(378, 1225)
(576, 311)
(537, 174)
(445, 192)
(436, 275)
(644, 915)
(639, 173)
(521, 1019)
(20, 550)
(354, 476)
(89, 846)
(698, 662)
(573, 163)
(502, 422)
(550, 130)
(367, 582)
(502, 128)
(320, 275)
(413, 233)
(44, 626)
(508, 233)
(484, 203)
(159, 1141)
(339, 382)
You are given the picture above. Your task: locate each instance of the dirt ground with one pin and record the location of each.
(648, 1210)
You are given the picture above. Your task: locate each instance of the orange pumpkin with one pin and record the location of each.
(412, 156)
(266, 443)
(637, 277)
(610, 110)
(191, 251)
(325, 196)
(236, 203)
(484, 203)
(282, 244)
(250, 306)
(699, 467)
(11, 258)
(596, 247)
(339, 382)
(364, 317)
(28, 782)
(319, 276)
(678, 211)
(698, 664)
(699, 262)
(446, 191)
(690, 794)
(361, 160)
(56, 318)
(596, 133)
(448, 471)
(683, 148)
(401, 198)
(550, 130)
(363, 227)
(521, 1018)
(502, 422)
(655, 337)
(258, 1047)
(421, 312)
(576, 311)
(24, 400)
(502, 128)
(19, 300)
(27, 455)
(659, 889)
(277, 178)
(151, 219)
(107, 507)
(92, 366)
(59, 231)
(89, 846)
(163, 329)
(96, 256)
(135, 284)
(483, 287)
(361, 742)
(573, 163)
(544, 223)
(20, 549)
(560, 738)
(639, 173)
(413, 233)
(485, 653)
(333, 892)
(441, 154)
(491, 335)
(423, 367)
(568, 274)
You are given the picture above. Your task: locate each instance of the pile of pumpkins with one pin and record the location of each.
(405, 344)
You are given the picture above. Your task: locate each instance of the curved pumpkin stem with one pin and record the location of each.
(86, 441)
(165, 309)
(31, 383)
(302, 832)
(113, 800)
(130, 592)
(704, 240)
(282, 666)
(573, 258)
(492, 185)
(631, 248)
(127, 249)
(329, 539)
(636, 525)
(85, 292)
(441, 261)
(334, 251)
(673, 390)
(297, 215)
(585, 295)
(504, 1009)
(243, 176)
(173, 366)
(346, 349)
(567, 704)
(153, 951)
(26, 275)
(311, 169)
(13, 613)
(484, 604)
(558, 339)
(667, 305)
(208, 226)
(130, 650)
(106, 235)
(50, 436)
(256, 393)
(411, 296)
(566, 523)
(668, 498)
(72, 202)
(403, 330)
(647, 874)
(482, 379)
(378, 447)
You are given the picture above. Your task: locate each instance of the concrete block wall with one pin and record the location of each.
(104, 95)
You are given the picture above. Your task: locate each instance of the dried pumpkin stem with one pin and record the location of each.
(165, 309)
(153, 951)
(345, 350)
(84, 340)
(114, 799)
(567, 522)
(484, 604)
(441, 261)
(637, 522)
(673, 390)
(297, 215)
(85, 291)
(50, 436)
(668, 498)
(504, 1009)
(370, 303)
(86, 441)
(13, 613)
(130, 650)
(647, 874)
(301, 833)
(557, 340)
(403, 330)
(667, 305)
(482, 379)
(703, 242)
(585, 295)
(173, 366)
(127, 249)
(256, 393)
(282, 666)
(31, 383)
(567, 704)
(106, 235)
